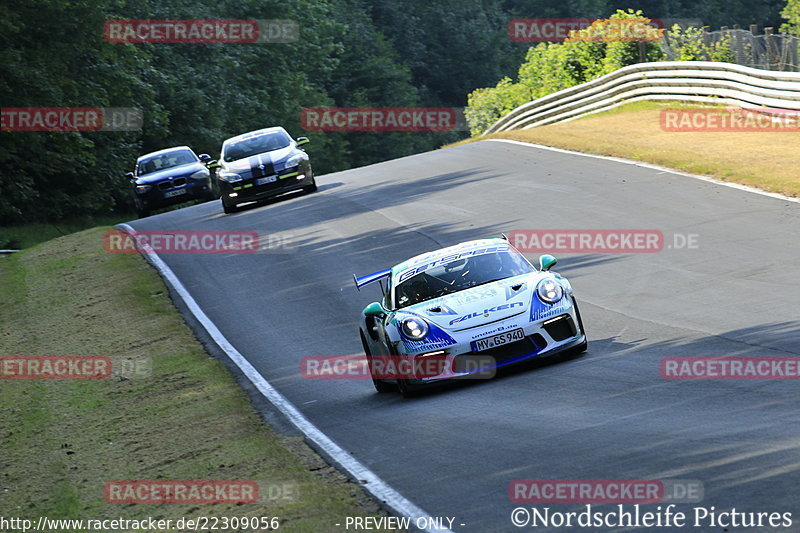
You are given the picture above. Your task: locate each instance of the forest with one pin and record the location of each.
(349, 53)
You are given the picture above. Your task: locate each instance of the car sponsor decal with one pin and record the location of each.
(436, 339)
(510, 292)
(440, 309)
(541, 310)
(486, 312)
(498, 329)
(428, 263)
(466, 296)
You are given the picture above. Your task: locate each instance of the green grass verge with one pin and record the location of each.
(26, 235)
(181, 417)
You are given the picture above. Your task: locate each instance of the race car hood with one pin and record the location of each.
(170, 173)
(274, 161)
(480, 305)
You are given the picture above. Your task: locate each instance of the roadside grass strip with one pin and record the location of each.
(168, 411)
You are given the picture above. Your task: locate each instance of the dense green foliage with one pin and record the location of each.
(792, 14)
(551, 67)
(351, 53)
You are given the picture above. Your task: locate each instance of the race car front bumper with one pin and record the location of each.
(548, 336)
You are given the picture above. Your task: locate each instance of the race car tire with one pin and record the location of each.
(406, 389)
(581, 348)
(141, 210)
(380, 385)
(228, 208)
(311, 188)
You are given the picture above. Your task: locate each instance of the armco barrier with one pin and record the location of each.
(695, 81)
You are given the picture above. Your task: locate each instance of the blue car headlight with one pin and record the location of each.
(200, 174)
(413, 328)
(142, 189)
(549, 291)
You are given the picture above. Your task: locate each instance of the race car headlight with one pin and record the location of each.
(200, 174)
(415, 329)
(230, 177)
(550, 291)
(294, 160)
(141, 189)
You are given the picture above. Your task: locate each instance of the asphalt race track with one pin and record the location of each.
(608, 414)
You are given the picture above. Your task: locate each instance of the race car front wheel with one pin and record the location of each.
(380, 385)
(579, 349)
(226, 207)
(312, 187)
(406, 389)
(141, 210)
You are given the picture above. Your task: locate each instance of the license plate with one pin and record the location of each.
(498, 340)
(170, 194)
(267, 179)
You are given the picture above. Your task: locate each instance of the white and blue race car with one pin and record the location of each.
(463, 310)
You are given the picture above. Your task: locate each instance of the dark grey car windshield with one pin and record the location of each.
(259, 144)
(164, 161)
(459, 275)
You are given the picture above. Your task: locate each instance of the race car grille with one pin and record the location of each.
(561, 328)
(268, 170)
(165, 185)
(178, 182)
(501, 354)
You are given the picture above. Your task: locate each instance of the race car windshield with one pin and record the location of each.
(164, 161)
(259, 144)
(459, 275)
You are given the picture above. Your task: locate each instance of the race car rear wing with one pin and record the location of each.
(371, 278)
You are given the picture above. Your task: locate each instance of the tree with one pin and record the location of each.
(792, 14)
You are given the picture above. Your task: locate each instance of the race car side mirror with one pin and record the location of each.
(130, 176)
(546, 262)
(374, 309)
(302, 140)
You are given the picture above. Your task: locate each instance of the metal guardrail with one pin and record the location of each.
(770, 51)
(695, 81)
(4, 253)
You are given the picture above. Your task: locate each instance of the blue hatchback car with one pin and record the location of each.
(171, 176)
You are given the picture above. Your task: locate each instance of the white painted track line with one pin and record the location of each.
(651, 166)
(382, 491)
